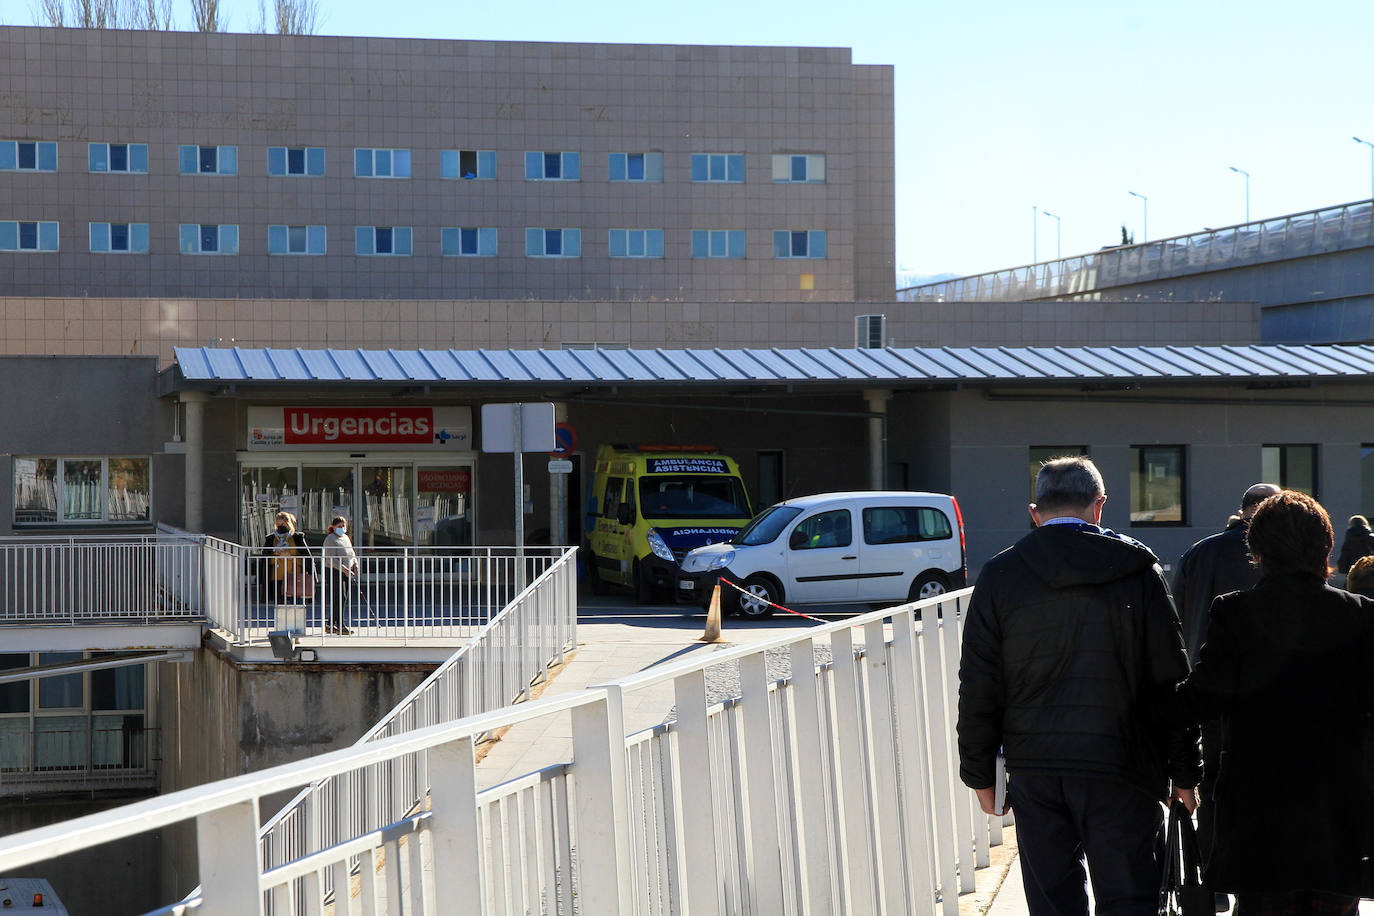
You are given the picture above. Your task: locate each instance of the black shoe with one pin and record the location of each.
(1223, 902)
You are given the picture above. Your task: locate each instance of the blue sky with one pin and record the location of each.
(1005, 106)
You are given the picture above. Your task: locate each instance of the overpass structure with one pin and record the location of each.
(1312, 274)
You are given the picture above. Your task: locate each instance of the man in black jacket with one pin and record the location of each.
(1071, 646)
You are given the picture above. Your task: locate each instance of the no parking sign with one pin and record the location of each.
(565, 439)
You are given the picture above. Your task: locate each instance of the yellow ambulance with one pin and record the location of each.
(648, 505)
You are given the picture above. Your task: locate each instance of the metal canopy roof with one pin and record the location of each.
(888, 366)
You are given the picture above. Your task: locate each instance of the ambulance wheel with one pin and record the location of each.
(594, 580)
(762, 594)
(644, 589)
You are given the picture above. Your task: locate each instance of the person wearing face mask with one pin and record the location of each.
(341, 571)
(286, 577)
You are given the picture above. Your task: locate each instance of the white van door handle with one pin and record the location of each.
(849, 558)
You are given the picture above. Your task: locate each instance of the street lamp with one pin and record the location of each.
(1247, 189)
(1145, 217)
(1035, 233)
(1056, 231)
(1371, 163)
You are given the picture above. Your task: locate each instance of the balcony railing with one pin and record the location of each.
(114, 752)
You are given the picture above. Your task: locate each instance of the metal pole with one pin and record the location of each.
(1371, 163)
(1057, 224)
(1247, 189)
(519, 436)
(1035, 226)
(1145, 219)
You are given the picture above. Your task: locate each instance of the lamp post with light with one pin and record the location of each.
(1371, 163)
(1056, 232)
(1247, 189)
(1144, 216)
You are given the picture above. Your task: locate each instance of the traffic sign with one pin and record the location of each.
(565, 439)
(560, 466)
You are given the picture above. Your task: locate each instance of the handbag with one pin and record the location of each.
(300, 585)
(1183, 892)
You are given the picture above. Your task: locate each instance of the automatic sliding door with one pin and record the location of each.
(443, 506)
(386, 506)
(325, 493)
(265, 491)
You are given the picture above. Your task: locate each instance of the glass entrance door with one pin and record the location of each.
(326, 491)
(265, 491)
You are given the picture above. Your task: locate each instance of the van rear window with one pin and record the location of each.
(905, 524)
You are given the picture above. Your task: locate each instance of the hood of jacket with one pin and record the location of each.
(1064, 556)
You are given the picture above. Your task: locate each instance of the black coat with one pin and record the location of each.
(1359, 542)
(1213, 566)
(1286, 666)
(1071, 648)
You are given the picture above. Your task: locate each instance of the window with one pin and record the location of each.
(81, 490)
(825, 529)
(635, 166)
(283, 161)
(636, 243)
(1039, 454)
(1293, 467)
(905, 524)
(296, 240)
(28, 156)
(208, 160)
(553, 243)
(718, 243)
(1157, 485)
(718, 167)
(381, 163)
(387, 241)
(467, 163)
(22, 236)
(118, 157)
(119, 238)
(207, 238)
(614, 487)
(553, 166)
(467, 242)
(799, 243)
(794, 169)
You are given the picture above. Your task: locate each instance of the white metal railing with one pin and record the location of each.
(496, 668)
(93, 578)
(110, 751)
(829, 791)
(402, 592)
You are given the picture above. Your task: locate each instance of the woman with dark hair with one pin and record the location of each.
(1285, 666)
(1359, 542)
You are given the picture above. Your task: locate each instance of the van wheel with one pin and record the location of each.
(760, 591)
(928, 585)
(594, 580)
(644, 589)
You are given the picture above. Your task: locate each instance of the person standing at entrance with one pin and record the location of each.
(1216, 565)
(1071, 651)
(286, 574)
(341, 571)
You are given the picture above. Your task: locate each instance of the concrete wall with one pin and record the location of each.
(155, 326)
(223, 718)
(427, 96)
(118, 877)
(1223, 431)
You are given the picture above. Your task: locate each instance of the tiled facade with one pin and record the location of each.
(252, 92)
(154, 326)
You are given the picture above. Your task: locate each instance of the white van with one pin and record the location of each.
(835, 548)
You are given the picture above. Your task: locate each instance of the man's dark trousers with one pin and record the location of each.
(1062, 816)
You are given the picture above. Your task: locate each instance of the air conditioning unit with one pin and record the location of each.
(870, 332)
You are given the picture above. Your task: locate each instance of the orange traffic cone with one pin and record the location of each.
(712, 633)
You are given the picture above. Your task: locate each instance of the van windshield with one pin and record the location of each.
(692, 496)
(766, 526)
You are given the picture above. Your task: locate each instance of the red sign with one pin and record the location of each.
(431, 481)
(359, 425)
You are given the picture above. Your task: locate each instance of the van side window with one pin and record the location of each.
(905, 524)
(825, 529)
(614, 485)
(629, 498)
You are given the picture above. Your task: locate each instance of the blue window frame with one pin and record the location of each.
(718, 243)
(542, 166)
(636, 243)
(798, 168)
(553, 243)
(295, 161)
(21, 236)
(479, 164)
(718, 167)
(118, 157)
(634, 166)
(467, 242)
(382, 241)
(208, 160)
(308, 240)
(799, 243)
(381, 163)
(209, 238)
(119, 238)
(28, 156)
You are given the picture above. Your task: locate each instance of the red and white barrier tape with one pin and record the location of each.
(763, 600)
